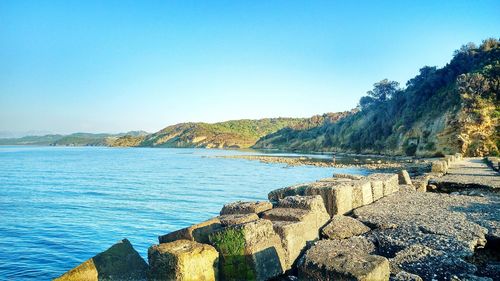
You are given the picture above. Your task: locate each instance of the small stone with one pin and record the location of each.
(183, 260)
(405, 276)
(341, 227)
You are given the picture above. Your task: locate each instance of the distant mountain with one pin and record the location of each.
(76, 139)
(452, 109)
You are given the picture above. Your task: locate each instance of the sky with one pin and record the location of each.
(115, 66)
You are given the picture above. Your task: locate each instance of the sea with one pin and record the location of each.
(60, 206)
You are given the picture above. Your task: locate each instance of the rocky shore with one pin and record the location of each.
(382, 164)
(385, 226)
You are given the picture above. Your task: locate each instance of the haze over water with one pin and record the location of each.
(60, 206)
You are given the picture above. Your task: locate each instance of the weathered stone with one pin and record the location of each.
(226, 220)
(405, 276)
(249, 251)
(361, 193)
(421, 183)
(430, 264)
(286, 214)
(337, 195)
(119, 262)
(334, 180)
(439, 167)
(389, 182)
(407, 188)
(450, 159)
(337, 198)
(404, 177)
(240, 207)
(455, 225)
(343, 260)
(312, 203)
(197, 232)
(183, 260)
(297, 220)
(377, 189)
(294, 237)
(341, 227)
(347, 176)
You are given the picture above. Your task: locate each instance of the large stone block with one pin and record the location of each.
(294, 236)
(404, 177)
(390, 182)
(336, 197)
(341, 227)
(297, 220)
(226, 220)
(240, 207)
(377, 189)
(421, 182)
(347, 176)
(119, 262)
(347, 259)
(281, 193)
(197, 232)
(183, 260)
(249, 251)
(439, 167)
(361, 193)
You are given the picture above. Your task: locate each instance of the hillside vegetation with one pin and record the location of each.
(229, 134)
(440, 111)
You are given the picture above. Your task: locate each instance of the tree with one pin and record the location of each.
(383, 90)
(365, 102)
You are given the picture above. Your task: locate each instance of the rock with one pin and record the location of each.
(430, 264)
(240, 207)
(197, 232)
(297, 220)
(421, 183)
(347, 259)
(449, 159)
(312, 203)
(451, 226)
(337, 195)
(439, 167)
(404, 177)
(407, 188)
(347, 176)
(119, 262)
(361, 193)
(249, 251)
(334, 180)
(390, 182)
(226, 220)
(405, 276)
(183, 260)
(377, 189)
(341, 227)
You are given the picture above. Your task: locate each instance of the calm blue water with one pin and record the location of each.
(60, 206)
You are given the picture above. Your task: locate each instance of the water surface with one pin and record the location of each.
(61, 205)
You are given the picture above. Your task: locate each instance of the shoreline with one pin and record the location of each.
(415, 166)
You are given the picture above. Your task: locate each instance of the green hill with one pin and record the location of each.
(440, 111)
(229, 134)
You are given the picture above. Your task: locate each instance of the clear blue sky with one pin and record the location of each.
(113, 66)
